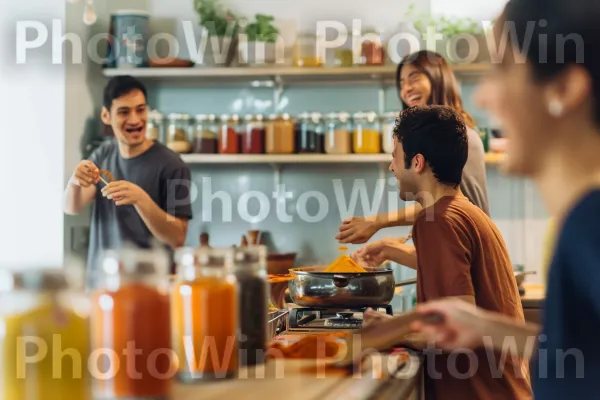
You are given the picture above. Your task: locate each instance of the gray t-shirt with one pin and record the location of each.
(160, 172)
(474, 181)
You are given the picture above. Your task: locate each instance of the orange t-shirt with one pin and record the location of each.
(460, 252)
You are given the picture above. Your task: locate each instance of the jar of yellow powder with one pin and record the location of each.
(366, 138)
(44, 337)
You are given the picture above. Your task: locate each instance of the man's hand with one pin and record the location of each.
(357, 230)
(388, 249)
(124, 193)
(86, 174)
(462, 325)
(372, 317)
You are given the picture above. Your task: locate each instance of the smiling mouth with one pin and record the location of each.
(414, 99)
(138, 129)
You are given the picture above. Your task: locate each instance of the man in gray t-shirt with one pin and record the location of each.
(148, 199)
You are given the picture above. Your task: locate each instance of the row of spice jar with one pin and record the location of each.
(205, 323)
(333, 133)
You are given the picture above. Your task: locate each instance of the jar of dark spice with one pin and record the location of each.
(228, 141)
(253, 288)
(205, 137)
(309, 133)
(253, 135)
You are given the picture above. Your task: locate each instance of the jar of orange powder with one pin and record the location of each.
(205, 315)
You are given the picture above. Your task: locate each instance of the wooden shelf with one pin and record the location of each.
(279, 73)
(490, 158)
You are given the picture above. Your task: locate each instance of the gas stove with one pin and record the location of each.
(323, 319)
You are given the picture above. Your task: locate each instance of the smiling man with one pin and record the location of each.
(149, 198)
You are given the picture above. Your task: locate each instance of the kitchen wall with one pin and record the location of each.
(515, 206)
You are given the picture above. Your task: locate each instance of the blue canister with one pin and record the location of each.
(129, 31)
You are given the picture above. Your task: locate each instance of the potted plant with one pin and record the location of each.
(258, 43)
(220, 28)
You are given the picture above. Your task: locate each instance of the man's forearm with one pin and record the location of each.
(76, 198)
(403, 217)
(165, 227)
(406, 256)
(500, 332)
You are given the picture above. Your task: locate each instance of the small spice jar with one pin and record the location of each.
(205, 314)
(388, 124)
(372, 48)
(179, 132)
(131, 305)
(155, 129)
(228, 141)
(251, 275)
(338, 131)
(279, 134)
(253, 135)
(43, 313)
(309, 133)
(367, 134)
(307, 51)
(205, 136)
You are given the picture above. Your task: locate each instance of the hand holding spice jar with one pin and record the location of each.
(131, 317)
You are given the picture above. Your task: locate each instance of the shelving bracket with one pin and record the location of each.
(278, 90)
(276, 174)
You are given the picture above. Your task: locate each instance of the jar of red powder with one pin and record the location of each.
(253, 135)
(228, 141)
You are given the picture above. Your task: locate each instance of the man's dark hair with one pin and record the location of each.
(120, 86)
(439, 134)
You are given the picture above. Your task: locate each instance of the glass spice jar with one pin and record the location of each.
(205, 137)
(307, 51)
(155, 128)
(179, 132)
(372, 52)
(253, 135)
(309, 133)
(131, 305)
(205, 314)
(367, 134)
(279, 134)
(388, 123)
(43, 309)
(338, 133)
(228, 141)
(251, 275)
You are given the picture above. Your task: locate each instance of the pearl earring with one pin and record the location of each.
(555, 108)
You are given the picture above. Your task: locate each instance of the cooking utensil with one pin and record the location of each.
(317, 289)
(277, 322)
(520, 276)
(382, 336)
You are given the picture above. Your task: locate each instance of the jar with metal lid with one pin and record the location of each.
(205, 314)
(42, 314)
(338, 131)
(228, 141)
(205, 137)
(155, 128)
(131, 305)
(309, 51)
(309, 133)
(253, 134)
(388, 122)
(279, 134)
(178, 133)
(367, 133)
(251, 274)
(371, 48)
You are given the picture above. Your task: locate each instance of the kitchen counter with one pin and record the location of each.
(309, 380)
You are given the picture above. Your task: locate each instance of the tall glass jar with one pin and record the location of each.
(388, 122)
(372, 52)
(131, 312)
(205, 314)
(253, 134)
(251, 275)
(178, 134)
(338, 131)
(367, 133)
(205, 137)
(155, 129)
(309, 133)
(308, 51)
(279, 134)
(229, 142)
(45, 317)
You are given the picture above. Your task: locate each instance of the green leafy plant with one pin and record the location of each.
(448, 27)
(262, 30)
(218, 20)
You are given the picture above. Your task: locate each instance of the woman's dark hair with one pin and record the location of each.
(439, 134)
(444, 89)
(553, 34)
(120, 86)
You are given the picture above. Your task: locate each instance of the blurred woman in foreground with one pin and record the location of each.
(546, 94)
